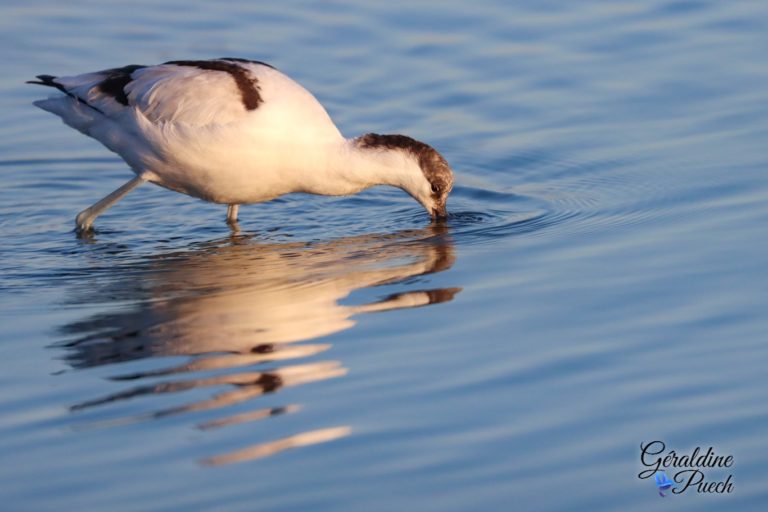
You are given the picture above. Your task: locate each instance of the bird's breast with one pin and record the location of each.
(242, 173)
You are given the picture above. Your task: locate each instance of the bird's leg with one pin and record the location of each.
(232, 213)
(85, 218)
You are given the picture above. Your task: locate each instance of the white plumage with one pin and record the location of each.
(233, 131)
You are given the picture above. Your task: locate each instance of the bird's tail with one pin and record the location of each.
(48, 80)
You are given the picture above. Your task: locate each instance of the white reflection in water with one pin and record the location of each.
(266, 449)
(234, 307)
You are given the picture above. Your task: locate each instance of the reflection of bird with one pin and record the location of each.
(235, 131)
(244, 304)
(253, 299)
(264, 450)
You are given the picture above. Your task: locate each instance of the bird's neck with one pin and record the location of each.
(359, 168)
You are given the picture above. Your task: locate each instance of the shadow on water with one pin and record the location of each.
(243, 314)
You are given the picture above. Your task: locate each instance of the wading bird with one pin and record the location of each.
(235, 131)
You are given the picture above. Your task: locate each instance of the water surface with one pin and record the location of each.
(600, 283)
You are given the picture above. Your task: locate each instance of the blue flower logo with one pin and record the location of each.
(663, 483)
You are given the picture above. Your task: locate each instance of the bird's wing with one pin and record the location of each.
(198, 92)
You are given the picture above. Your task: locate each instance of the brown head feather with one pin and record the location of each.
(433, 165)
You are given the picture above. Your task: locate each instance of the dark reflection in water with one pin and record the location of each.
(242, 311)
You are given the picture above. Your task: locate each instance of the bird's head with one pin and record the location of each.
(431, 179)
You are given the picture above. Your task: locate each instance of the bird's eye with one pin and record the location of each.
(435, 189)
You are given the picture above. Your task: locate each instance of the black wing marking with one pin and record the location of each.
(48, 80)
(112, 84)
(247, 85)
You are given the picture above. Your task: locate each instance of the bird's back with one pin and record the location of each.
(201, 126)
(198, 93)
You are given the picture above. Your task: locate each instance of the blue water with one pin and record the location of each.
(601, 282)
